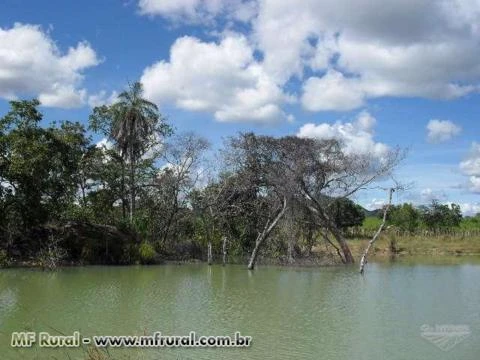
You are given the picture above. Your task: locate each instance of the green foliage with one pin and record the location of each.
(55, 180)
(147, 253)
(405, 217)
(371, 223)
(39, 167)
(135, 126)
(4, 259)
(346, 213)
(436, 215)
(471, 222)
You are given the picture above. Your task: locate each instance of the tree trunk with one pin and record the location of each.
(291, 238)
(346, 254)
(224, 250)
(132, 185)
(124, 209)
(345, 250)
(265, 233)
(363, 261)
(209, 253)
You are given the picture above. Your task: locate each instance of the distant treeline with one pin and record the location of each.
(428, 220)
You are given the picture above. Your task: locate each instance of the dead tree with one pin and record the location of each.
(363, 261)
(224, 250)
(262, 236)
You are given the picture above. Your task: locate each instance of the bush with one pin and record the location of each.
(4, 260)
(51, 255)
(147, 253)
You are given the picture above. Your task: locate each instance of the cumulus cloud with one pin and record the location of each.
(31, 64)
(389, 47)
(427, 195)
(375, 204)
(218, 77)
(469, 209)
(471, 164)
(199, 10)
(441, 130)
(357, 136)
(102, 98)
(354, 51)
(333, 91)
(470, 167)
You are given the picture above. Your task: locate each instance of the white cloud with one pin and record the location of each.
(389, 46)
(345, 53)
(199, 11)
(375, 204)
(104, 143)
(222, 78)
(31, 64)
(471, 168)
(102, 98)
(469, 209)
(471, 164)
(428, 195)
(333, 91)
(357, 136)
(441, 130)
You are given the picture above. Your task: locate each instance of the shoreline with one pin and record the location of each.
(296, 263)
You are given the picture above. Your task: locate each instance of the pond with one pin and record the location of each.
(402, 310)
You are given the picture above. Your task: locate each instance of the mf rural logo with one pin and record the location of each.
(445, 337)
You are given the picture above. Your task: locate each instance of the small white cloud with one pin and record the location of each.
(428, 195)
(357, 137)
(104, 144)
(471, 165)
(471, 168)
(199, 11)
(441, 130)
(102, 98)
(31, 64)
(375, 204)
(474, 184)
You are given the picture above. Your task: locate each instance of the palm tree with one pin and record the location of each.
(135, 120)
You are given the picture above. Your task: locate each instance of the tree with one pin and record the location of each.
(135, 125)
(167, 194)
(405, 217)
(436, 215)
(346, 213)
(386, 208)
(38, 168)
(260, 174)
(320, 173)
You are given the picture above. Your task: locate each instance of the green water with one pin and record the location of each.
(291, 313)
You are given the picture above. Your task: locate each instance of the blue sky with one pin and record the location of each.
(375, 74)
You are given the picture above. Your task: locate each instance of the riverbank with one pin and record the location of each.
(387, 245)
(413, 245)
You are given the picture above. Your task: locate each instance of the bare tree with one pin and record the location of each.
(181, 173)
(320, 172)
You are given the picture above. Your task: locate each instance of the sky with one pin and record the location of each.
(376, 74)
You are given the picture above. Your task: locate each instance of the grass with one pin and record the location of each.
(418, 245)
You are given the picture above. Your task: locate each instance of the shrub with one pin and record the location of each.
(147, 253)
(51, 255)
(4, 259)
